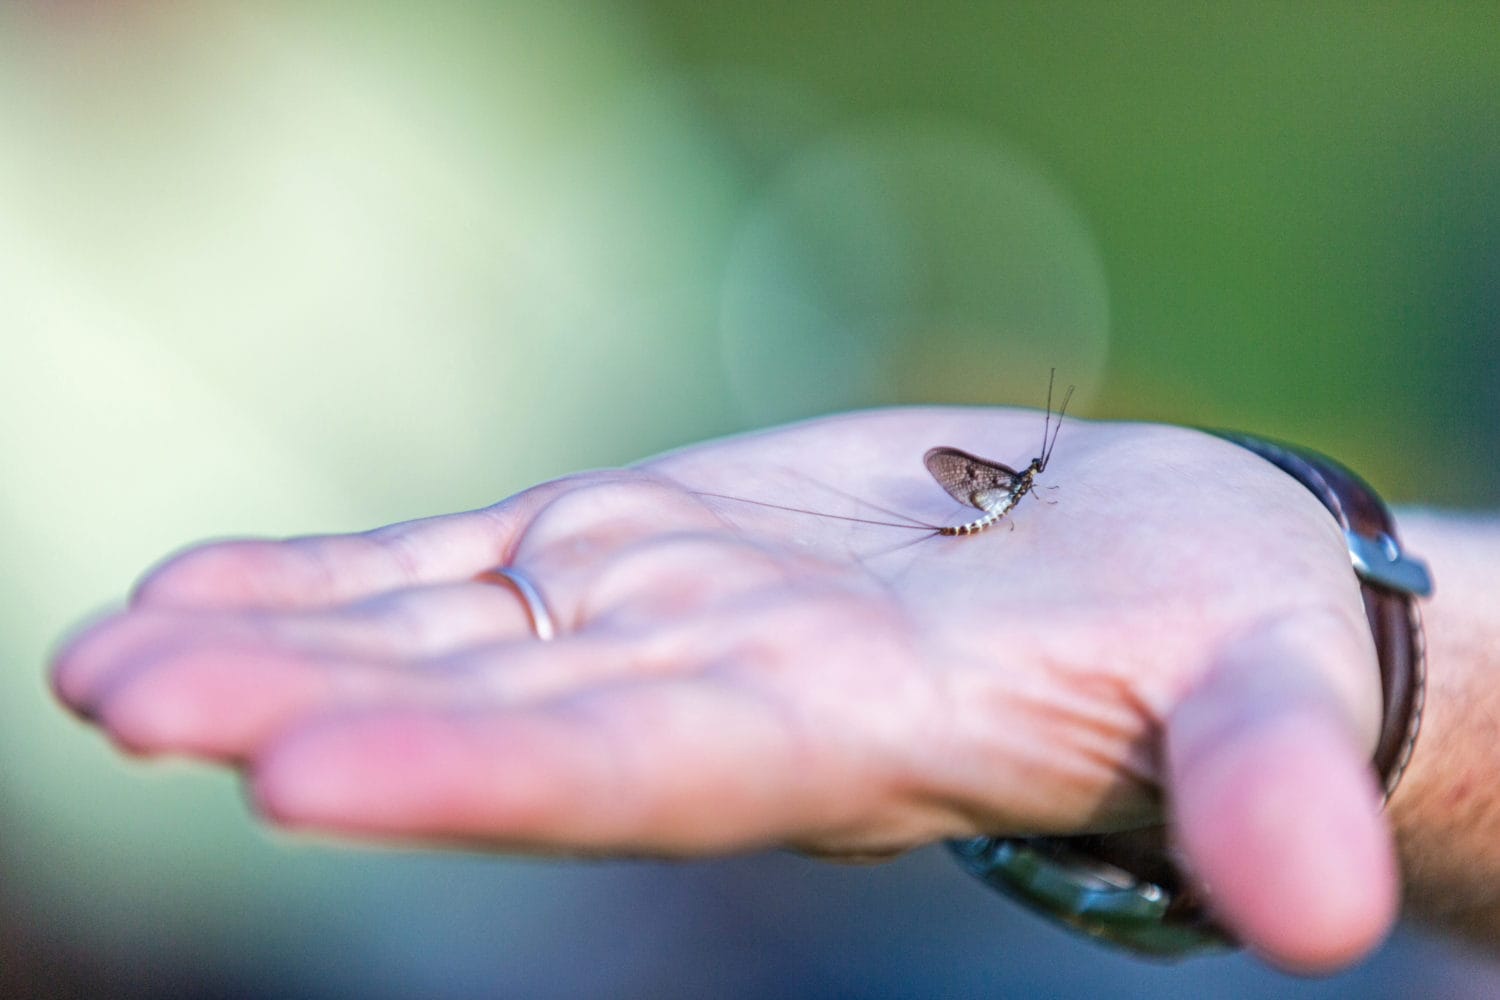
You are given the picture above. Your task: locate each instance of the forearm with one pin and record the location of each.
(1447, 812)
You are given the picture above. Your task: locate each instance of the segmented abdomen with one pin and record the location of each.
(973, 527)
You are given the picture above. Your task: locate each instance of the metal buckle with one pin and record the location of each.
(1089, 895)
(1380, 560)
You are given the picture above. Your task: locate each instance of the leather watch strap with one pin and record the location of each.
(1128, 887)
(1388, 578)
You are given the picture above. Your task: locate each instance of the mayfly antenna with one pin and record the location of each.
(1047, 446)
(1047, 457)
(1047, 420)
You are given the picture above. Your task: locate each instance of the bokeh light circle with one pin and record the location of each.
(909, 261)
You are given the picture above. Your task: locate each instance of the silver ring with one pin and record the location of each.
(536, 608)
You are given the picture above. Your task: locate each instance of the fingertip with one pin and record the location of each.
(205, 702)
(283, 786)
(427, 775)
(311, 776)
(210, 574)
(140, 724)
(75, 666)
(384, 772)
(150, 711)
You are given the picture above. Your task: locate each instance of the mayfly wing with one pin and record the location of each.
(970, 479)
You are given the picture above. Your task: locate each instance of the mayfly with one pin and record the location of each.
(992, 487)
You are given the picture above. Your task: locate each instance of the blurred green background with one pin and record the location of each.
(283, 268)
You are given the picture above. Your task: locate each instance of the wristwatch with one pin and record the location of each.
(1128, 888)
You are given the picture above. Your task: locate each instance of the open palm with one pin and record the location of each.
(1176, 616)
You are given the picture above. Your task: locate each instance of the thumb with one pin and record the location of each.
(1273, 799)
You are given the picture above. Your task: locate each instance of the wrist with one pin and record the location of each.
(1446, 813)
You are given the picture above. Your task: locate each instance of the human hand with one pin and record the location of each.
(730, 676)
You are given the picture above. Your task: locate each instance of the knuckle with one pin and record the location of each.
(605, 509)
(397, 620)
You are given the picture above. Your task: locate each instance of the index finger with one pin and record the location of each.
(319, 571)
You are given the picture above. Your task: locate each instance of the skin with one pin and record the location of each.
(1447, 810)
(1172, 632)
